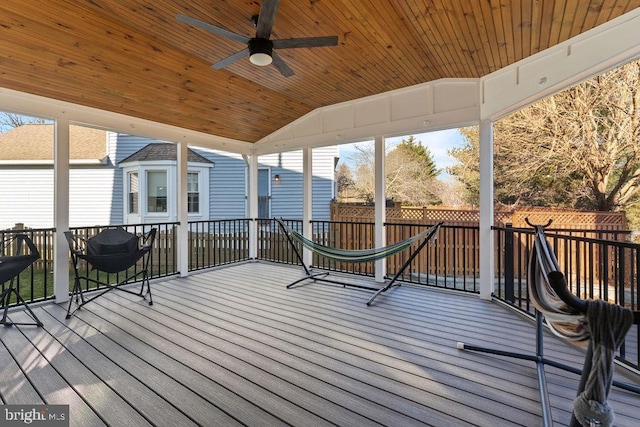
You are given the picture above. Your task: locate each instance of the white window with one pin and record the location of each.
(157, 191)
(193, 192)
(133, 192)
(150, 192)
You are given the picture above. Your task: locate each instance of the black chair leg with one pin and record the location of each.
(5, 297)
(77, 295)
(145, 281)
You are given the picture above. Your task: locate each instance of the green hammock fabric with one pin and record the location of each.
(360, 255)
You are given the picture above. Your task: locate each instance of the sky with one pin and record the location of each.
(438, 142)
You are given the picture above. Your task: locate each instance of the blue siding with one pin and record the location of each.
(287, 194)
(226, 184)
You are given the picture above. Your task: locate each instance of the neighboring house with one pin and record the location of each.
(126, 179)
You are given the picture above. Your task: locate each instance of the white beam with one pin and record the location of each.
(435, 105)
(559, 67)
(252, 196)
(307, 200)
(380, 206)
(61, 210)
(487, 261)
(33, 105)
(183, 214)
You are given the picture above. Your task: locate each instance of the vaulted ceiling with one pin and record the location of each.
(134, 57)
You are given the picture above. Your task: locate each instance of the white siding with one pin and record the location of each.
(26, 196)
(91, 197)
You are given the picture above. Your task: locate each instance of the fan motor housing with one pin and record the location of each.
(259, 46)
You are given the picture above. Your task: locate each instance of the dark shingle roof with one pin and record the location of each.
(163, 151)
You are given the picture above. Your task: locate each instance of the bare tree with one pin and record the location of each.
(410, 174)
(345, 182)
(579, 148)
(9, 121)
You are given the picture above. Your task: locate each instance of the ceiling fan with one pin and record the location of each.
(260, 48)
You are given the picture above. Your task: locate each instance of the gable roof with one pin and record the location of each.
(35, 142)
(163, 151)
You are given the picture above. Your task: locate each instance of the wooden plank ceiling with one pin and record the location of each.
(134, 57)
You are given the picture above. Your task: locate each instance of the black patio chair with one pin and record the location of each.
(10, 267)
(111, 251)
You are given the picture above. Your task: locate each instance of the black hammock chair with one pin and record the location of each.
(111, 251)
(20, 257)
(598, 323)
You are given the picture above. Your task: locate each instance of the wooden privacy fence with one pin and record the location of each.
(562, 218)
(457, 251)
(42, 238)
(411, 214)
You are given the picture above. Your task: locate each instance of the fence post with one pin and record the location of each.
(508, 263)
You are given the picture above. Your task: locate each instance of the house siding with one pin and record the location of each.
(91, 203)
(27, 195)
(97, 191)
(227, 181)
(286, 194)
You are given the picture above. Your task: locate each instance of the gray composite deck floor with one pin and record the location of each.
(232, 346)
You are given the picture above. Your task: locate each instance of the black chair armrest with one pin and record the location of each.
(148, 238)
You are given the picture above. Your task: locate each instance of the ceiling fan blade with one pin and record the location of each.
(281, 66)
(212, 28)
(230, 59)
(305, 42)
(267, 16)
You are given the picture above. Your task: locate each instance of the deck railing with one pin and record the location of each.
(607, 267)
(596, 266)
(36, 282)
(218, 242)
(450, 262)
(162, 261)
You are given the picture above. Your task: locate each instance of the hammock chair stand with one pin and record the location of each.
(557, 281)
(111, 251)
(10, 267)
(322, 276)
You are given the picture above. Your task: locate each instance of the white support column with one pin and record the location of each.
(380, 206)
(487, 261)
(307, 200)
(182, 207)
(252, 163)
(61, 210)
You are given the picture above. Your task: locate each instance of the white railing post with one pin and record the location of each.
(61, 210)
(380, 206)
(307, 200)
(487, 261)
(252, 195)
(183, 210)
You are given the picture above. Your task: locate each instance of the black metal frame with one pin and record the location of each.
(558, 283)
(14, 265)
(77, 246)
(321, 276)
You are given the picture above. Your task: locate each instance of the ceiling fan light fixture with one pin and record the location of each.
(260, 51)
